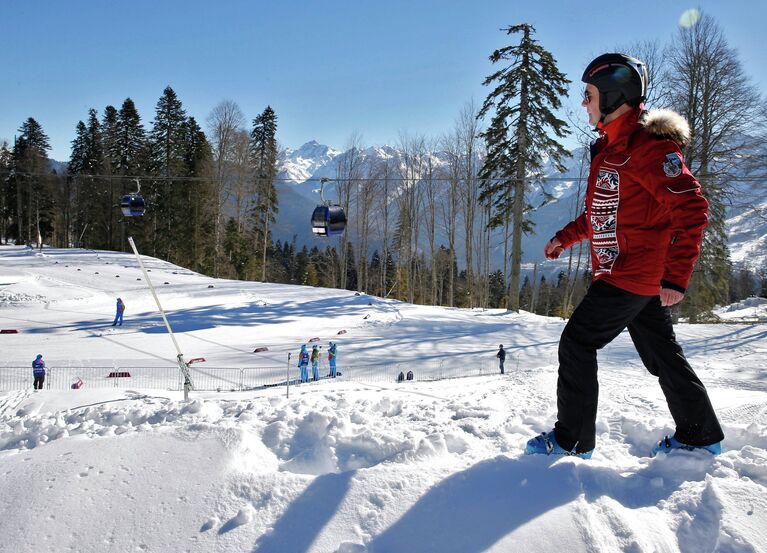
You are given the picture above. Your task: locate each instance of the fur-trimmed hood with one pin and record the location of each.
(665, 123)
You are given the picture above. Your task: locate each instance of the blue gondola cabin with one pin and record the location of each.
(328, 220)
(133, 205)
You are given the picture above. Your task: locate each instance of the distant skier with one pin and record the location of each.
(303, 363)
(332, 354)
(315, 362)
(38, 371)
(501, 355)
(119, 312)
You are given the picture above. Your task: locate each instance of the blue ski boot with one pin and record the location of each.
(669, 443)
(546, 444)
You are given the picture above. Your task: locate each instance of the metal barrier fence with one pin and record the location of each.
(64, 378)
(233, 379)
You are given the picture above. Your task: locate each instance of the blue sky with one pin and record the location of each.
(327, 68)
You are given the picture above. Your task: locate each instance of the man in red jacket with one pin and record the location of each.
(644, 218)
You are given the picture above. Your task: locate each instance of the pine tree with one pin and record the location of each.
(131, 146)
(390, 268)
(302, 260)
(351, 268)
(375, 274)
(526, 295)
(236, 249)
(95, 200)
(263, 148)
(543, 298)
(76, 165)
(6, 163)
(168, 135)
(94, 150)
(33, 198)
(93, 203)
(32, 132)
(195, 230)
(310, 275)
(168, 148)
(110, 146)
(527, 93)
(497, 288)
(131, 155)
(329, 266)
(110, 139)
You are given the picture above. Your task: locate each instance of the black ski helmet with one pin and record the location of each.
(619, 78)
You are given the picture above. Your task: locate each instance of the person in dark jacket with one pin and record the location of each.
(119, 310)
(38, 372)
(303, 363)
(644, 219)
(501, 355)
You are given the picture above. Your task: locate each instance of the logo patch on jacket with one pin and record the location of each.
(672, 167)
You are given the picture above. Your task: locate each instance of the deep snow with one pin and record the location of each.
(355, 464)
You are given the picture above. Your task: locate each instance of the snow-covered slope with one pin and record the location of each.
(348, 465)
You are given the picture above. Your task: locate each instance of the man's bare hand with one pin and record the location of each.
(553, 249)
(670, 297)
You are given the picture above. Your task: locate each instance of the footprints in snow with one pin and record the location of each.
(615, 423)
(751, 412)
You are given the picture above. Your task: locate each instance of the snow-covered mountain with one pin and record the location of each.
(299, 165)
(333, 164)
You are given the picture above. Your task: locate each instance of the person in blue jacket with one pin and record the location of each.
(303, 363)
(315, 362)
(332, 354)
(119, 312)
(38, 371)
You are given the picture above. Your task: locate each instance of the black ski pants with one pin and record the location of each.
(602, 315)
(38, 383)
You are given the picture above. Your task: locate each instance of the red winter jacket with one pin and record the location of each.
(645, 213)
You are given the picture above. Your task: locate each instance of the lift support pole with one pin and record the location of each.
(188, 384)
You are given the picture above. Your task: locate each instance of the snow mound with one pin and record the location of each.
(752, 309)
